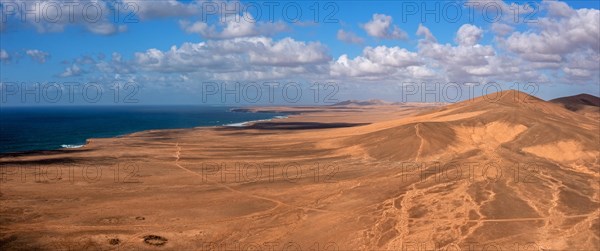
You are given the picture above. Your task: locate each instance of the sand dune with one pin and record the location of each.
(506, 170)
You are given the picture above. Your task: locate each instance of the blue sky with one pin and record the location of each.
(172, 51)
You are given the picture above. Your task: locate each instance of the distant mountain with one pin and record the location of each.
(362, 102)
(578, 102)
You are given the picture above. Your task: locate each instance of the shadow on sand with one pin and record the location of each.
(293, 126)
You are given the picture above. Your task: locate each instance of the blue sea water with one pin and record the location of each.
(48, 128)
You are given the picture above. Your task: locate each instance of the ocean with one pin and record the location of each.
(49, 128)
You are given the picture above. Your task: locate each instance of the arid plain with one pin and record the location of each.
(506, 171)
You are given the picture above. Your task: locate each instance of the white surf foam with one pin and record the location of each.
(242, 124)
(71, 146)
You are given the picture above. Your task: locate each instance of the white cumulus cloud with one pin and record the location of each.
(380, 62)
(468, 35)
(381, 26)
(38, 56)
(4, 56)
(238, 26)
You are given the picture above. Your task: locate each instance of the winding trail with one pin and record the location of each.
(277, 202)
(420, 150)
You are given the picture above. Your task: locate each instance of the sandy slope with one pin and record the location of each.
(510, 171)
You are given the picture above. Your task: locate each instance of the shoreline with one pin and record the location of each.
(73, 146)
(292, 113)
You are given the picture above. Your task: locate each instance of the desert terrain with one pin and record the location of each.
(506, 171)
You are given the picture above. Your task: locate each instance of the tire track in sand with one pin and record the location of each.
(277, 202)
(420, 150)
